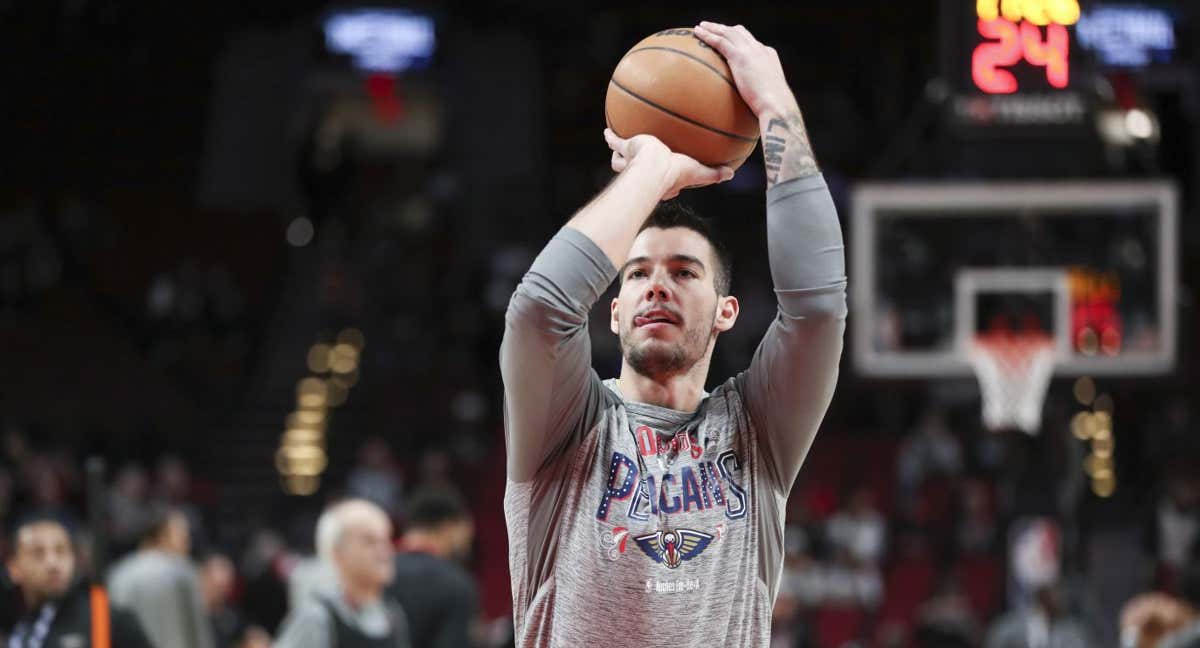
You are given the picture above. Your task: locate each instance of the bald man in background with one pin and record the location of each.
(355, 538)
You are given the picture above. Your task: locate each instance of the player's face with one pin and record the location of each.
(44, 562)
(668, 310)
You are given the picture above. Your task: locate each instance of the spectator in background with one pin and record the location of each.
(160, 584)
(1045, 624)
(977, 530)
(376, 477)
(437, 594)
(355, 537)
(309, 576)
(57, 610)
(433, 470)
(851, 582)
(217, 576)
(264, 570)
(1178, 517)
(127, 502)
(859, 529)
(49, 479)
(931, 449)
(803, 578)
(173, 486)
(946, 619)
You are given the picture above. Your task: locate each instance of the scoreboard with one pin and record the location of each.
(1013, 66)
(1012, 32)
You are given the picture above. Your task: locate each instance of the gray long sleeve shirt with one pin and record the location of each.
(635, 525)
(163, 590)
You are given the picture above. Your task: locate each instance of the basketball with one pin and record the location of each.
(675, 87)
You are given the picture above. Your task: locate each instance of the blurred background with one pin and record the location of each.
(256, 257)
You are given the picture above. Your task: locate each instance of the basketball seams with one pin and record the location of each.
(668, 111)
(689, 55)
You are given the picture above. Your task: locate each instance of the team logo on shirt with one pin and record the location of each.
(650, 445)
(691, 489)
(673, 547)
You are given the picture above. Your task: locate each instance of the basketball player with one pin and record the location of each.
(643, 511)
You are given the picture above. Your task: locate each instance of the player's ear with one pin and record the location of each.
(727, 313)
(14, 570)
(614, 322)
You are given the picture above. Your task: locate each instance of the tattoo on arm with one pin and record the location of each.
(787, 151)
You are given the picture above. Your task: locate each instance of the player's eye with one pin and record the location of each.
(636, 274)
(687, 273)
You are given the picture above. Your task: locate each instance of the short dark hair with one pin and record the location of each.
(154, 522)
(672, 213)
(31, 518)
(429, 509)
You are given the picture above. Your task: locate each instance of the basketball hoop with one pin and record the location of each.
(1014, 372)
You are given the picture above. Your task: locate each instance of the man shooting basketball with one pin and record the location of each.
(643, 511)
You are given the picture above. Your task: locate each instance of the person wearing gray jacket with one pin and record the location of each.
(354, 537)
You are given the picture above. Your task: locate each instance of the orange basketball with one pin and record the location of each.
(674, 86)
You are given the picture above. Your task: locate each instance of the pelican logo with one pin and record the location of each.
(671, 548)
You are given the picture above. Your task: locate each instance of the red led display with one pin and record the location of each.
(1033, 31)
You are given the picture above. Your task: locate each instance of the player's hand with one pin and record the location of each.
(756, 69)
(680, 171)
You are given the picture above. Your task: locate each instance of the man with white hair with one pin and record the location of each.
(354, 537)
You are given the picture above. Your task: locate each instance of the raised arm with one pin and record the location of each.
(551, 394)
(790, 381)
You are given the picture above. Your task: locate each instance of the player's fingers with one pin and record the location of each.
(737, 35)
(713, 35)
(699, 175)
(615, 143)
(714, 27)
(619, 162)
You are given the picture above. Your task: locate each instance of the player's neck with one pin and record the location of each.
(681, 391)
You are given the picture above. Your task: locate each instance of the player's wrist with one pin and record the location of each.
(776, 110)
(655, 165)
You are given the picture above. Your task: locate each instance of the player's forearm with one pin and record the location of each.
(787, 152)
(804, 240)
(612, 219)
(545, 355)
(790, 382)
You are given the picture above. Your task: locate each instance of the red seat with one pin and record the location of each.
(837, 625)
(908, 584)
(980, 576)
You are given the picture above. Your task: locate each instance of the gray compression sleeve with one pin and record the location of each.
(551, 393)
(790, 381)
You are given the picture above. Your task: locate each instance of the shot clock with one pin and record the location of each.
(1014, 67)
(1014, 32)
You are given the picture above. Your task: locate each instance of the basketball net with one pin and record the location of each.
(1014, 372)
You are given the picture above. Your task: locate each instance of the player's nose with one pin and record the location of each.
(658, 289)
(657, 292)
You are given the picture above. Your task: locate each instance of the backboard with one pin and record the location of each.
(1094, 264)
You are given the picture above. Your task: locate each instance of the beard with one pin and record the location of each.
(653, 357)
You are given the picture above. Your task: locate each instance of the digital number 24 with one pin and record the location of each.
(1015, 42)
